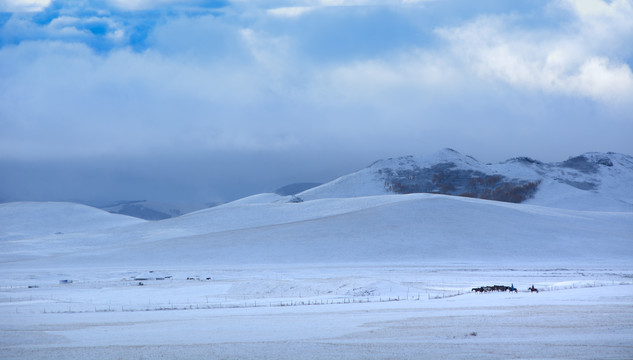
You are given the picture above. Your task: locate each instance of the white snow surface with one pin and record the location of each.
(303, 312)
(366, 277)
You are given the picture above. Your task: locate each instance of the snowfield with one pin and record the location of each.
(343, 312)
(370, 277)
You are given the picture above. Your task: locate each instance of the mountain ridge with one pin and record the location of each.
(592, 178)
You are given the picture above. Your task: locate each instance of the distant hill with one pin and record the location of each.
(150, 210)
(295, 188)
(591, 181)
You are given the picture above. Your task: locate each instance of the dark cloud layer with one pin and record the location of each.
(211, 100)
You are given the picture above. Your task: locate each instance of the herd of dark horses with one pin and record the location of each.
(495, 288)
(484, 289)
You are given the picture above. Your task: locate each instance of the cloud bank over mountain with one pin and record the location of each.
(210, 87)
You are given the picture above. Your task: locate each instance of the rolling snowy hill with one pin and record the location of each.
(23, 220)
(268, 229)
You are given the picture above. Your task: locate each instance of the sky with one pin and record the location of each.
(205, 100)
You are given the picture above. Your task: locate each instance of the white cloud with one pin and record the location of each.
(214, 83)
(599, 78)
(292, 11)
(102, 30)
(408, 79)
(148, 4)
(24, 5)
(607, 26)
(64, 101)
(303, 7)
(593, 8)
(369, 2)
(583, 61)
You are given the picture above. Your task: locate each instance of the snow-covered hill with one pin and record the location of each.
(23, 220)
(407, 228)
(414, 228)
(592, 181)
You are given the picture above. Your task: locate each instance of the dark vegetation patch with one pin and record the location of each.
(526, 160)
(583, 164)
(142, 212)
(444, 178)
(582, 185)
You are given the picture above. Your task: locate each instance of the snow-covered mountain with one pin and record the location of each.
(591, 181)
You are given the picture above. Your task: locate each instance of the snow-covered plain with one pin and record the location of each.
(345, 312)
(375, 277)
